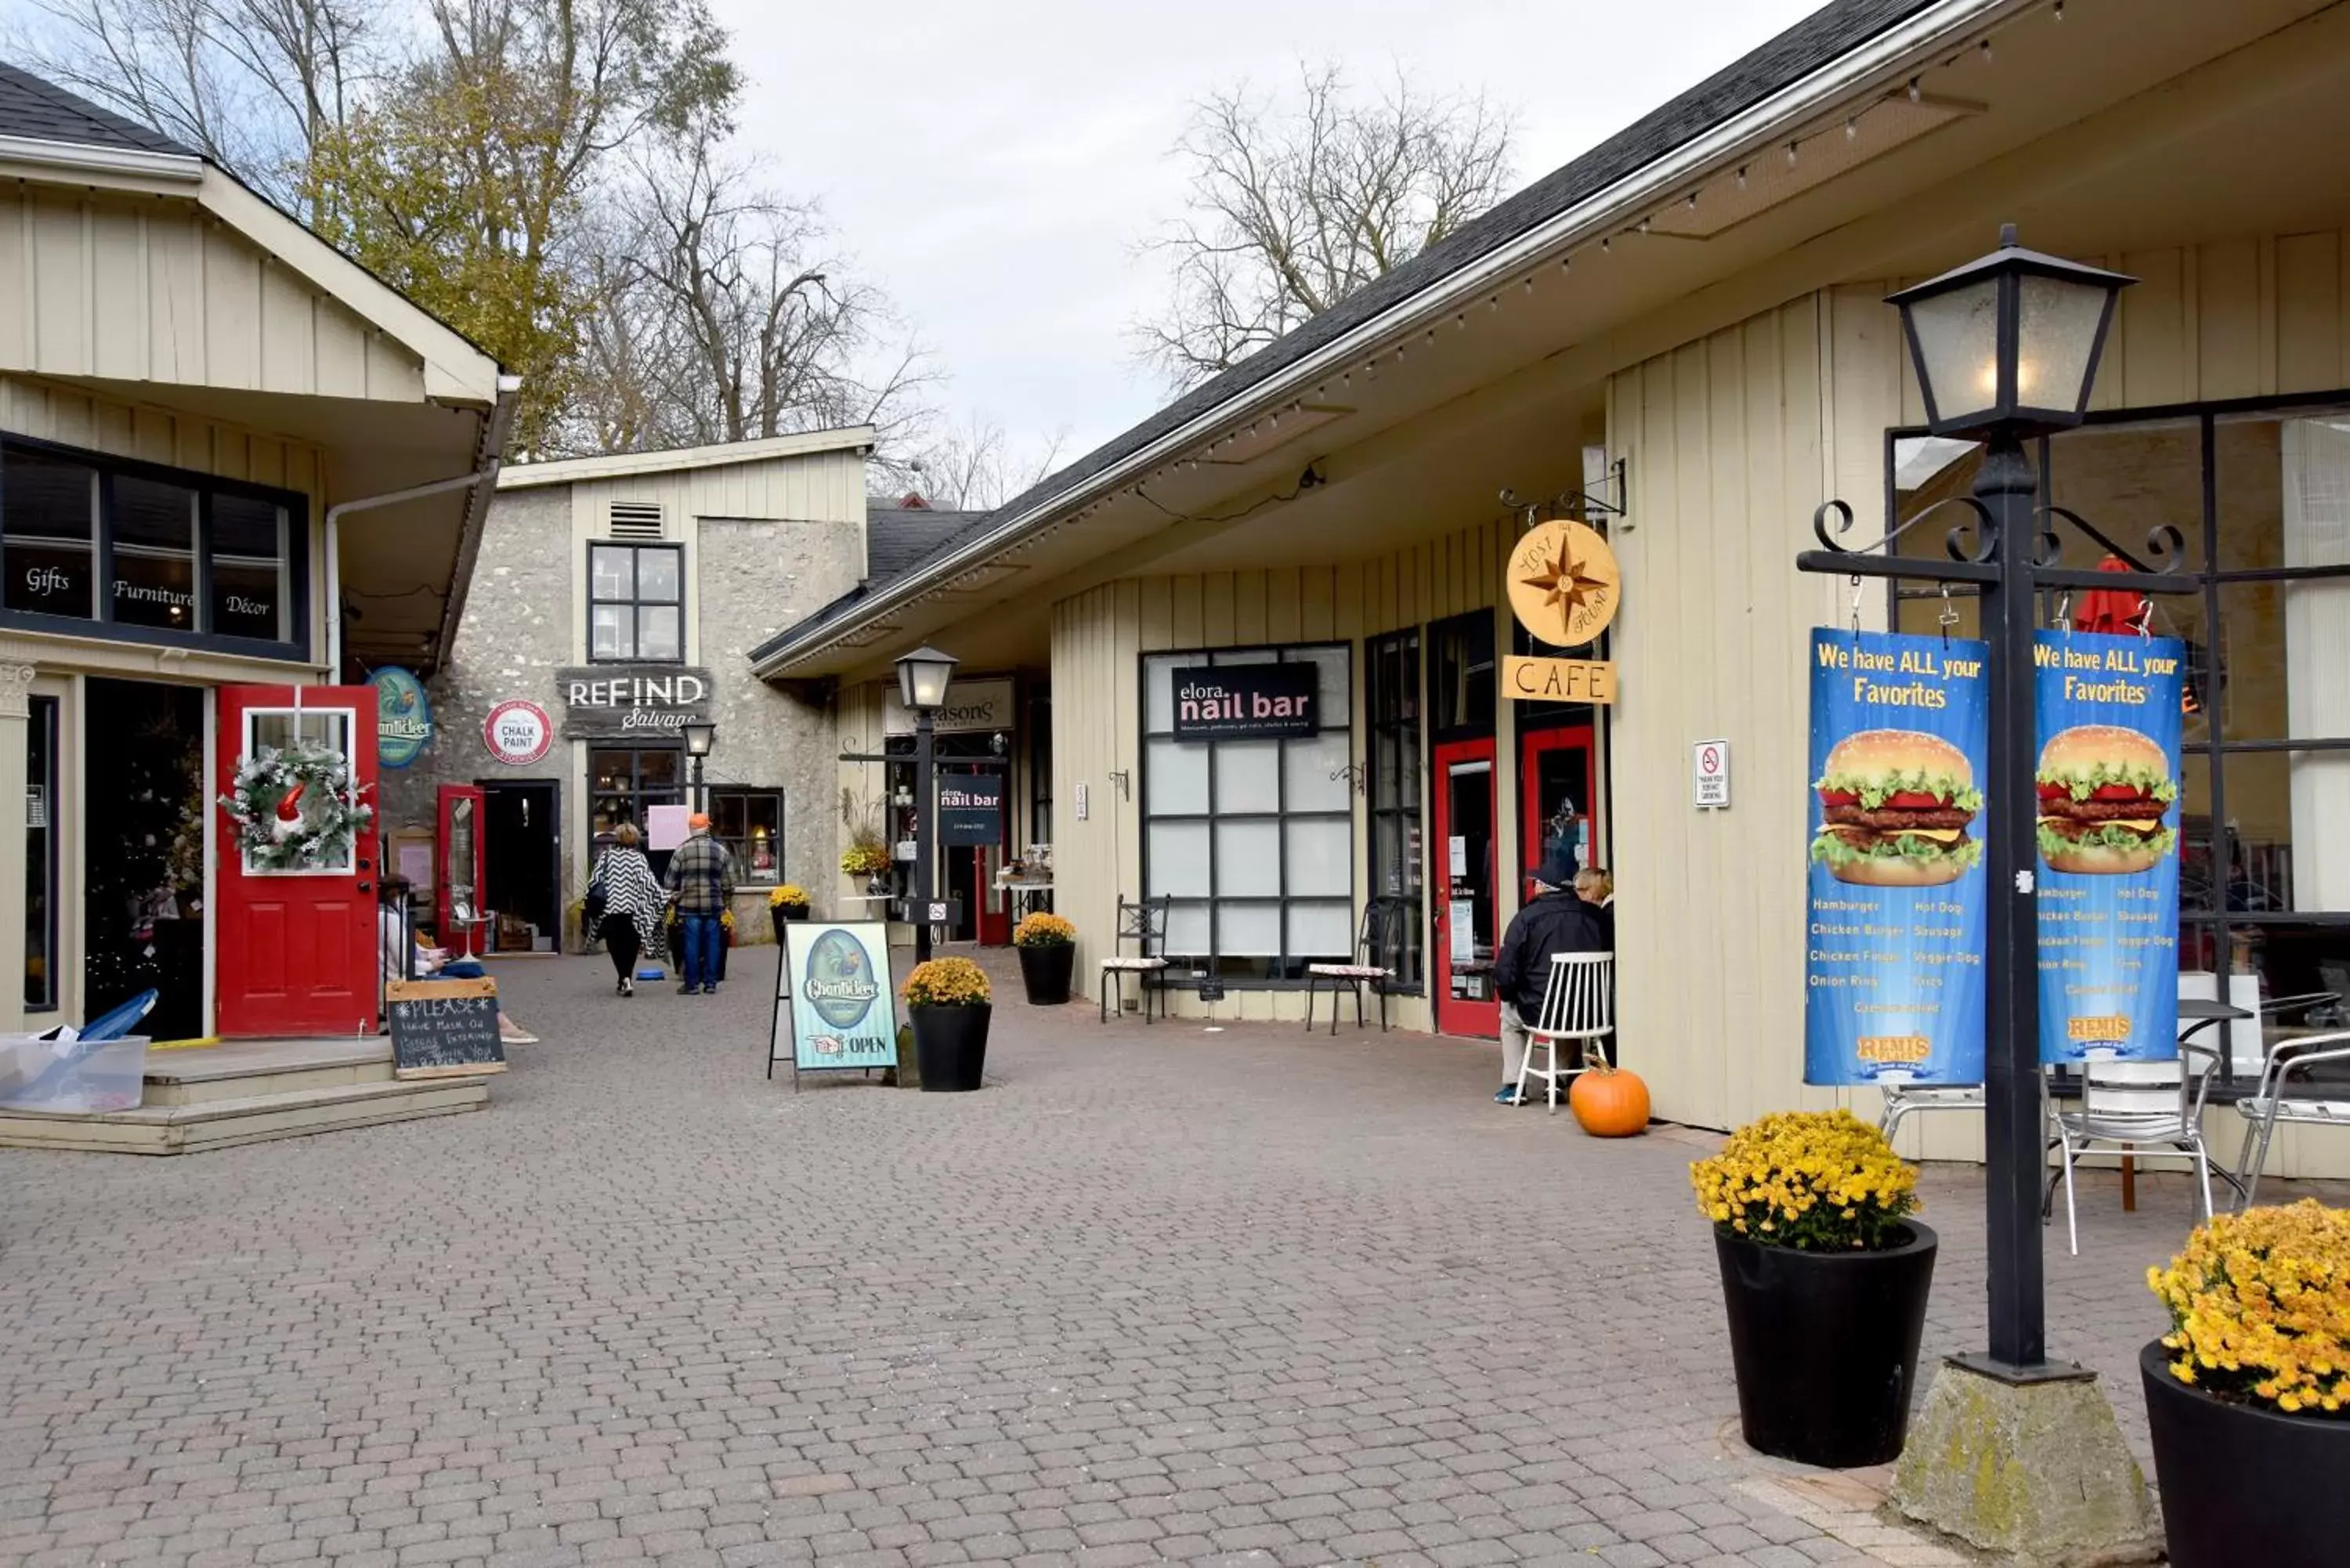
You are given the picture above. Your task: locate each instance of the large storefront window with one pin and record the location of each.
(2262, 498)
(1252, 839)
(144, 554)
(750, 822)
(625, 782)
(1391, 676)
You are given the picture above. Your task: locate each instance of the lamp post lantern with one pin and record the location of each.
(700, 734)
(922, 677)
(2006, 349)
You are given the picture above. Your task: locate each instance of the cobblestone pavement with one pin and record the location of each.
(1156, 1294)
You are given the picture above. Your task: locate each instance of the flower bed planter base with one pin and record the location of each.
(950, 1046)
(1045, 971)
(2234, 1476)
(2035, 1473)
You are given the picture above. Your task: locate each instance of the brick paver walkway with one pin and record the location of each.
(1156, 1294)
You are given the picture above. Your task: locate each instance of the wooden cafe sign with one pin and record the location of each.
(1564, 588)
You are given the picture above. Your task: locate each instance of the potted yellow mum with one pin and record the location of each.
(1825, 1276)
(1048, 952)
(788, 902)
(2250, 1392)
(949, 1004)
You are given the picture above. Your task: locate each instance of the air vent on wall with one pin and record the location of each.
(636, 520)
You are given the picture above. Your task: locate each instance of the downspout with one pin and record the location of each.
(481, 481)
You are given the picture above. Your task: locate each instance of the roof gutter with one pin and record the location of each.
(87, 158)
(1889, 54)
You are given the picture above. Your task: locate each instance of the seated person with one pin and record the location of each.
(1558, 920)
(404, 958)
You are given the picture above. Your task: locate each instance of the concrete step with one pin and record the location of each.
(224, 1122)
(253, 1069)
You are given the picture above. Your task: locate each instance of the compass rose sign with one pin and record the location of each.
(1563, 584)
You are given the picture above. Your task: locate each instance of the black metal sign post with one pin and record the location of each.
(2007, 549)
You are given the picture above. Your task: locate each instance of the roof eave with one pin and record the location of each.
(679, 460)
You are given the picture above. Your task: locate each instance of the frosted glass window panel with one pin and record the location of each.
(608, 632)
(1322, 930)
(1248, 776)
(1321, 859)
(1187, 931)
(611, 570)
(2316, 457)
(1248, 861)
(1338, 664)
(1247, 656)
(1177, 777)
(1248, 931)
(1179, 860)
(1316, 769)
(1159, 694)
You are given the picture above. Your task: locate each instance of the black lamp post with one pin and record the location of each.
(922, 677)
(700, 734)
(2006, 349)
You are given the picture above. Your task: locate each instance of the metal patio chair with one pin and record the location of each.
(2148, 1110)
(1145, 925)
(1380, 947)
(1577, 1007)
(1908, 1099)
(2275, 1101)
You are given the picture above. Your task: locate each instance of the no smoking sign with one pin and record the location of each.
(1709, 775)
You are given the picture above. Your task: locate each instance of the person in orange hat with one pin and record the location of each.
(701, 878)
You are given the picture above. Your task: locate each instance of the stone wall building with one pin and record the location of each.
(614, 598)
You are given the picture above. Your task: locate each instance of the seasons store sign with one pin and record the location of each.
(653, 703)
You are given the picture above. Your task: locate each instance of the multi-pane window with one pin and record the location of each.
(2262, 500)
(41, 856)
(1391, 680)
(623, 781)
(635, 603)
(148, 554)
(750, 822)
(1252, 840)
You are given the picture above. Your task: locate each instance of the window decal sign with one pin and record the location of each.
(1247, 702)
(1894, 972)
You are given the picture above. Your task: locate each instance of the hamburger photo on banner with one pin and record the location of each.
(1894, 806)
(2103, 792)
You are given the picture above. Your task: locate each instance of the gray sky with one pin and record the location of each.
(992, 165)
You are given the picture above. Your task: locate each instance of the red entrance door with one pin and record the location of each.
(1558, 791)
(297, 949)
(1466, 846)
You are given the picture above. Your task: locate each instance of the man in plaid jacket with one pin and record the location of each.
(701, 878)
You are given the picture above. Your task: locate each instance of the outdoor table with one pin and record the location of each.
(1026, 892)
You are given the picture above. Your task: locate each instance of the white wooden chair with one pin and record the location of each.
(1145, 925)
(2274, 1100)
(1577, 1007)
(2150, 1110)
(1377, 948)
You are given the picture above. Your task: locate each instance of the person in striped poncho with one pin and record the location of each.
(633, 903)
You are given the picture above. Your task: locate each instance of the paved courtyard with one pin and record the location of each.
(1157, 1294)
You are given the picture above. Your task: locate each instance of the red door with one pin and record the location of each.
(1466, 846)
(297, 949)
(1558, 791)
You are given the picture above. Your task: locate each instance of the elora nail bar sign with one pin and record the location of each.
(1245, 701)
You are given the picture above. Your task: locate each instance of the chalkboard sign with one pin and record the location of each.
(445, 1028)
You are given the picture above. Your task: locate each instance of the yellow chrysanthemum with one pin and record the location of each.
(2260, 1307)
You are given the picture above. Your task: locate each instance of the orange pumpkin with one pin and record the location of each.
(1609, 1103)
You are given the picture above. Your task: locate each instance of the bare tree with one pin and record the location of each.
(722, 314)
(975, 466)
(254, 85)
(1294, 205)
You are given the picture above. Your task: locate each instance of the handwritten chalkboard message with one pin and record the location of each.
(445, 1028)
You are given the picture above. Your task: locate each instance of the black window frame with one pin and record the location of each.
(636, 794)
(635, 603)
(1482, 716)
(1395, 708)
(41, 722)
(1290, 968)
(100, 623)
(2215, 921)
(741, 847)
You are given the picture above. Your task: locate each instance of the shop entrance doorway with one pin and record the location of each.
(143, 875)
(1558, 791)
(297, 947)
(1465, 932)
(521, 842)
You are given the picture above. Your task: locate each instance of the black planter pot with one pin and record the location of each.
(1045, 972)
(782, 915)
(950, 1046)
(1825, 1346)
(2228, 1474)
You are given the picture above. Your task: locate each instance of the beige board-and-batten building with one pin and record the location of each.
(615, 600)
(235, 471)
(1681, 338)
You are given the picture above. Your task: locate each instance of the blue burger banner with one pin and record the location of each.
(2108, 782)
(1894, 975)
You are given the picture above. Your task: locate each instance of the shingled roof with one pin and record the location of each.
(41, 111)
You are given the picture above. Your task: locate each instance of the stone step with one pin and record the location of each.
(253, 1069)
(224, 1122)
